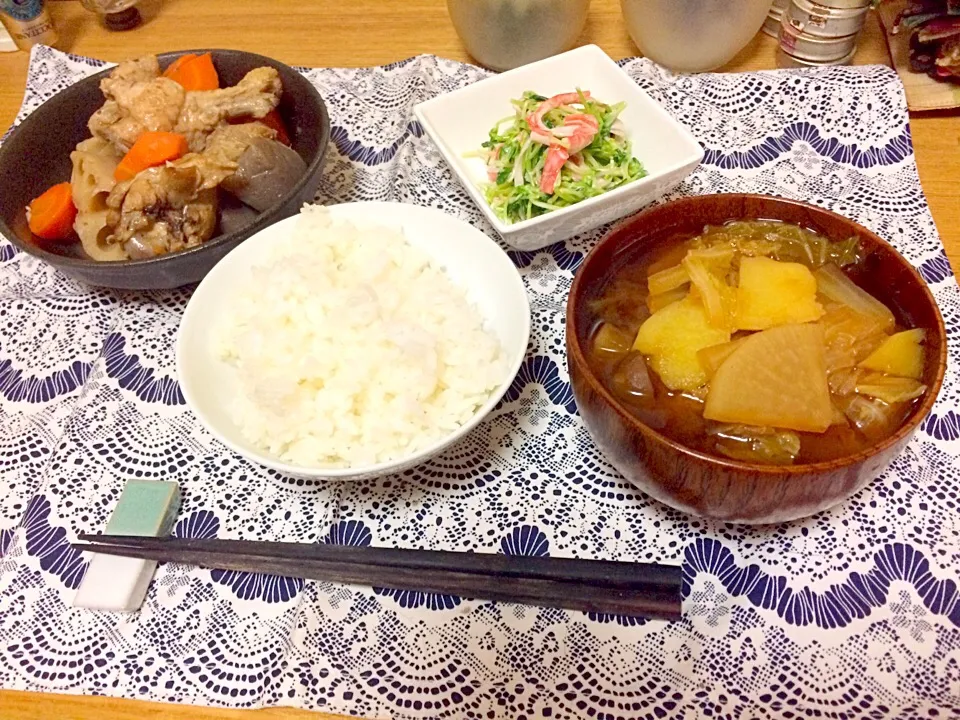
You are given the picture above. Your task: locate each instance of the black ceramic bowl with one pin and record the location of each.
(37, 155)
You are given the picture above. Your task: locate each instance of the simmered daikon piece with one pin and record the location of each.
(707, 270)
(775, 293)
(661, 300)
(756, 444)
(667, 280)
(714, 356)
(777, 378)
(632, 377)
(671, 338)
(834, 284)
(900, 354)
(889, 388)
(610, 339)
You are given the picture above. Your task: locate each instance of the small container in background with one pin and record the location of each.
(820, 32)
(815, 48)
(816, 18)
(845, 4)
(28, 23)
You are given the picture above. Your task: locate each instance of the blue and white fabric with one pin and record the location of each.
(853, 613)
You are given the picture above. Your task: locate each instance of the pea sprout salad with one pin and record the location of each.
(554, 152)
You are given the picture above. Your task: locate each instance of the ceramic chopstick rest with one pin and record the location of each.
(147, 508)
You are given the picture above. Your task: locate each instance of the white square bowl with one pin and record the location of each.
(460, 121)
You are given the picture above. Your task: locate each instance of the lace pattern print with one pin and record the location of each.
(853, 613)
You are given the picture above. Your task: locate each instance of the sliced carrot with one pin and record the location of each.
(151, 149)
(273, 121)
(173, 67)
(197, 74)
(51, 215)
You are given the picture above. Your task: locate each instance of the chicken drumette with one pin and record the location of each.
(161, 210)
(257, 93)
(138, 99)
(173, 207)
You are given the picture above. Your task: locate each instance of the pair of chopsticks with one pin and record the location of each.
(600, 586)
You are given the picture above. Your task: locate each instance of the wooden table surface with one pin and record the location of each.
(371, 32)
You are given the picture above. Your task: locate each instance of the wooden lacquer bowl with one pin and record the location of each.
(723, 489)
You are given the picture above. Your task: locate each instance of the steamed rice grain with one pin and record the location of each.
(351, 348)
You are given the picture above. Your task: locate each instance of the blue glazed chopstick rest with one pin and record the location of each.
(146, 508)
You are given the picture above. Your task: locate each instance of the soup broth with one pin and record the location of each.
(752, 341)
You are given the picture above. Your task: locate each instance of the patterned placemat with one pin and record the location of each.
(852, 613)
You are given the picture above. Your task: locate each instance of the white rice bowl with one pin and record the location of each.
(351, 348)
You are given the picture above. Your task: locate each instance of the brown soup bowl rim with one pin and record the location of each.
(576, 355)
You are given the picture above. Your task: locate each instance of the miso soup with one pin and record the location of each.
(751, 341)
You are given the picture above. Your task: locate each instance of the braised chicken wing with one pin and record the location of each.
(254, 96)
(161, 210)
(224, 147)
(139, 99)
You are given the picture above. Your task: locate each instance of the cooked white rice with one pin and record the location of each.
(352, 348)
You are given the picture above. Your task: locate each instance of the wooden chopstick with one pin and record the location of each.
(600, 586)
